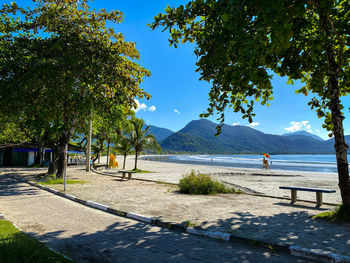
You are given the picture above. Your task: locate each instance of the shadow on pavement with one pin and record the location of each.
(11, 187)
(293, 228)
(121, 242)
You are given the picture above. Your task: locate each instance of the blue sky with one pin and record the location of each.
(177, 94)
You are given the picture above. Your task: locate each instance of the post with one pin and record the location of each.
(88, 151)
(294, 196)
(319, 198)
(65, 171)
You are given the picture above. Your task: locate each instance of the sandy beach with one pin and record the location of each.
(248, 180)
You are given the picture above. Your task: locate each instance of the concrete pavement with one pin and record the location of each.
(89, 235)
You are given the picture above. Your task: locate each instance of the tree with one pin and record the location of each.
(239, 43)
(108, 127)
(124, 147)
(140, 138)
(61, 60)
(10, 133)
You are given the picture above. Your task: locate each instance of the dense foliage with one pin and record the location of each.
(60, 62)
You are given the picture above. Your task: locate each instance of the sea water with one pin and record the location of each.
(308, 163)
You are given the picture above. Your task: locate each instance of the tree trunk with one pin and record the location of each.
(53, 167)
(62, 152)
(39, 155)
(62, 159)
(124, 161)
(341, 153)
(108, 152)
(53, 164)
(136, 155)
(337, 119)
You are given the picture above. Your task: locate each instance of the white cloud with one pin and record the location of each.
(236, 123)
(143, 106)
(253, 124)
(317, 130)
(152, 108)
(177, 111)
(299, 125)
(139, 106)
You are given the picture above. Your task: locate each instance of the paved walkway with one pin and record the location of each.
(258, 218)
(89, 235)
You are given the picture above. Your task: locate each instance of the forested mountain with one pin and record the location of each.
(304, 133)
(160, 133)
(198, 137)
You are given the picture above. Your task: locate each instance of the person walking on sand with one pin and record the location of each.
(265, 164)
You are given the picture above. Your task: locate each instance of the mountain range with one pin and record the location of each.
(198, 136)
(159, 133)
(304, 133)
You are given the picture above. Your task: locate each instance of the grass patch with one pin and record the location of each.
(341, 214)
(36, 166)
(142, 171)
(166, 183)
(202, 184)
(189, 223)
(61, 181)
(49, 179)
(16, 246)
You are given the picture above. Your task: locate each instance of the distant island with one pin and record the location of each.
(198, 136)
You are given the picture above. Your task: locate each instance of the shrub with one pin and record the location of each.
(202, 184)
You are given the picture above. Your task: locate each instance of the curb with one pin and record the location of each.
(320, 256)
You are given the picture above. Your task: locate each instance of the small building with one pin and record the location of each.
(22, 155)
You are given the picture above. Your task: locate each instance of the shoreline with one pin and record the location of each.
(238, 165)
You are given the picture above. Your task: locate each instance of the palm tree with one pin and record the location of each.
(124, 147)
(140, 138)
(98, 148)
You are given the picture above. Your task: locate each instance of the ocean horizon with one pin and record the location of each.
(298, 162)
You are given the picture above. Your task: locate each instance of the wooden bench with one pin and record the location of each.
(318, 191)
(124, 172)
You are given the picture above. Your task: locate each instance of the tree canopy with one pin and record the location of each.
(61, 61)
(240, 43)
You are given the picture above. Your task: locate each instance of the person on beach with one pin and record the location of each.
(265, 164)
(91, 162)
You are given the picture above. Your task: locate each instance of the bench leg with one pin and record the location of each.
(319, 198)
(129, 176)
(123, 175)
(294, 196)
